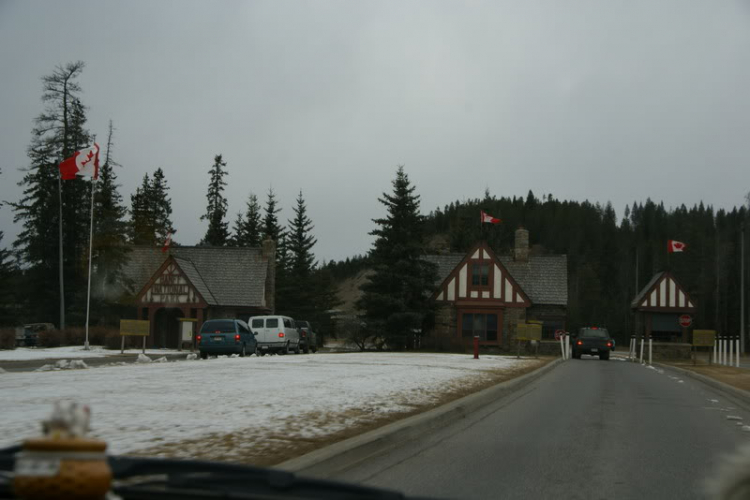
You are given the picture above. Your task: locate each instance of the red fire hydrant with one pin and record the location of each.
(476, 347)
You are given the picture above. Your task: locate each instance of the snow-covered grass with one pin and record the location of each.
(138, 406)
(72, 352)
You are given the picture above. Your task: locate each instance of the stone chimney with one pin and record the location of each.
(268, 251)
(521, 250)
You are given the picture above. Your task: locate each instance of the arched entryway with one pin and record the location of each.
(167, 327)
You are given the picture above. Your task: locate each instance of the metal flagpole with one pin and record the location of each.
(62, 285)
(91, 245)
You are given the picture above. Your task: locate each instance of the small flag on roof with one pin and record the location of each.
(488, 219)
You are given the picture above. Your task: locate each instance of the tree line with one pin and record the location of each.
(29, 274)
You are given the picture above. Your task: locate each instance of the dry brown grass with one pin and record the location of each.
(257, 447)
(736, 377)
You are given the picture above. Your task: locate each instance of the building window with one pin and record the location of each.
(480, 274)
(483, 326)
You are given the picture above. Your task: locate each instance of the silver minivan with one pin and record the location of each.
(275, 334)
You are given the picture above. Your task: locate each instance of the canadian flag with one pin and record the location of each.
(675, 246)
(84, 163)
(487, 218)
(167, 243)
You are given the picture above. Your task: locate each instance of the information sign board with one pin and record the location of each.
(704, 338)
(135, 327)
(529, 331)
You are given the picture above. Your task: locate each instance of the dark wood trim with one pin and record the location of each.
(492, 260)
(169, 260)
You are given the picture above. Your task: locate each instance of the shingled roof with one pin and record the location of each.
(224, 276)
(544, 278)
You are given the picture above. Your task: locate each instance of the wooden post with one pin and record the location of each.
(144, 344)
(122, 345)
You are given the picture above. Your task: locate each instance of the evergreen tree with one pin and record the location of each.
(162, 207)
(247, 228)
(395, 301)
(7, 270)
(301, 241)
(110, 228)
(150, 211)
(271, 226)
(59, 131)
(296, 287)
(142, 218)
(217, 233)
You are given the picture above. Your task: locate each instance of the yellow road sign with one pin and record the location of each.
(704, 338)
(134, 327)
(529, 331)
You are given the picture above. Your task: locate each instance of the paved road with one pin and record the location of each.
(589, 429)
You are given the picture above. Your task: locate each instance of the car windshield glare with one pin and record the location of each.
(223, 326)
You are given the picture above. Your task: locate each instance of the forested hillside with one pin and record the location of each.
(602, 246)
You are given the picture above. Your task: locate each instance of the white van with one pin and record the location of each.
(275, 334)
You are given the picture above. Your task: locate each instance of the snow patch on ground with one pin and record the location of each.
(137, 406)
(68, 352)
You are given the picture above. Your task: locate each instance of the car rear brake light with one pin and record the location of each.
(609, 344)
(281, 335)
(198, 338)
(237, 337)
(304, 333)
(580, 342)
(594, 327)
(217, 331)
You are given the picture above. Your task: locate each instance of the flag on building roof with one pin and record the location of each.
(167, 243)
(84, 163)
(488, 219)
(675, 246)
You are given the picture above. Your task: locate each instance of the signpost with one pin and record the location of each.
(528, 331)
(134, 328)
(704, 338)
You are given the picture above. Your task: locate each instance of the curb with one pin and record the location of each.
(743, 397)
(340, 456)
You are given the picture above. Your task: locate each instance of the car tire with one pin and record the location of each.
(314, 350)
(243, 352)
(604, 356)
(204, 355)
(306, 350)
(296, 349)
(259, 352)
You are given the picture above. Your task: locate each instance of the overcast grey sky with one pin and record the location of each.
(598, 100)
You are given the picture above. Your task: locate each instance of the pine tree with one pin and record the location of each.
(109, 248)
(162, 207)
(395, 301)
(271, 226)
(301, 241)
(217, 233)
(142, 225)
(150, 211)
(297, 291)
(59, 131)
(7, 270)
(247, 227)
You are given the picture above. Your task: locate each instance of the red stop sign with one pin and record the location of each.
(686, 320)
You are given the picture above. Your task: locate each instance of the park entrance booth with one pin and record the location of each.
(178, 291)
(663, 310)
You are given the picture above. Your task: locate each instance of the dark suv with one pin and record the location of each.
(594, 341)
(308, 339)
